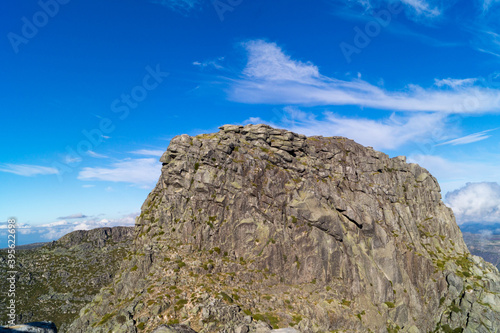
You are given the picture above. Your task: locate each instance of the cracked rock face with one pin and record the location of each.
(254, 228)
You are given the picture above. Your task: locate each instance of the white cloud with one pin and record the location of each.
(266, 61)
(388, 133)
(468, 138)
(54, 224)
(482, 27)
(148, 152)
(216, 63)
(19, 225)
(489, 52)
(422, 7)
(454, 83)
(21, 228)
(485, 37)
(476, 202)
(68, 159)
(96, 155)
(58, 229)
(415, 7)
(272, 77)
(25, 231)
(141, 171)
(27, 169)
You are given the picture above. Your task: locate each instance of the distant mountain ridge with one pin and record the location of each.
(54, 281)
(28, 246)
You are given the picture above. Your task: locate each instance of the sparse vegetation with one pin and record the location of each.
(390, 305)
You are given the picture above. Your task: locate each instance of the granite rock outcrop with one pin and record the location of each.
(254, 228)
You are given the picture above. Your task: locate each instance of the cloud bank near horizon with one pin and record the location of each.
(476, 202)
(55, 230)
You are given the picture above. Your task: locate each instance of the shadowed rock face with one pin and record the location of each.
(254, 227)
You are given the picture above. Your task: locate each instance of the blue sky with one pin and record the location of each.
(92, 92)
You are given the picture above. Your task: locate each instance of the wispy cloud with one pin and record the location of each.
(68, 159)
(19, 225)
(72, 216)
(388, 133)
(148, 152)
(272, 77)
(422, 7)
(486, 40)
(406, 32)
(27, 170)
(414, 7)
(267, 61)
(96, 155)
(488, 52)
(476, 202)
(181, 6)
(141, 171)
(454, 83)
(482, 25)
(396, 27)
(484, 33)
(487, 4)
(468, 138)
(215, 63)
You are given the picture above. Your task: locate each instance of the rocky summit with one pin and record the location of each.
(254, 229)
